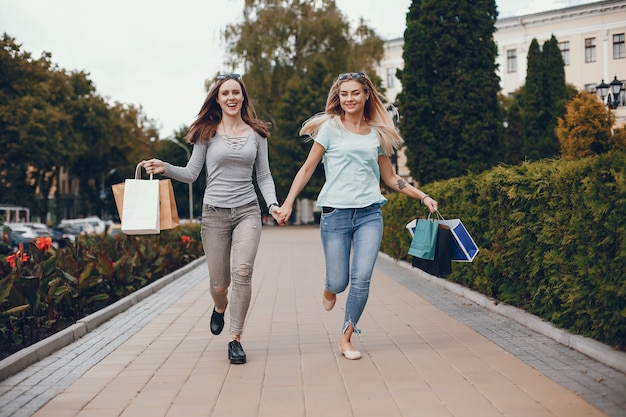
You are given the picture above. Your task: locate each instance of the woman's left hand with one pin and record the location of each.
(430, 204)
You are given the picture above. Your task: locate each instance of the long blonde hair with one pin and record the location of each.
(374, 113)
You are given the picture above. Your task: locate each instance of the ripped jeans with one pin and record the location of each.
(230, 237)
(359, 231)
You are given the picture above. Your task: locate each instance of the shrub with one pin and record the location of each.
(552, 238)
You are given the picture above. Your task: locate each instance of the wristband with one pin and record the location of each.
(424, 198)
(269, 208)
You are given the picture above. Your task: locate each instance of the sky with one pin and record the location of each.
(157, 54)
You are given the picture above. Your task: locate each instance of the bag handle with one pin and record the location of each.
(439, 216)
(138, 172)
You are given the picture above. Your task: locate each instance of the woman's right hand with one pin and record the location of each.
(283, 213)
(153, 166)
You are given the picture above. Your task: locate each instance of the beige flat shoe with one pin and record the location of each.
(350, 354)
(328, 304)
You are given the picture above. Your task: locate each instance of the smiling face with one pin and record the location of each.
(352, 97)
(230, 98)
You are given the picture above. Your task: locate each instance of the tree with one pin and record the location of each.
(544, 97)
(36, 134)
(586, 128)
(514, 136)
(451, 119)
(52, 119)
(290, 53)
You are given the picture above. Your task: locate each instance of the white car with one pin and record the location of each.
(25, 230)
(92, 224)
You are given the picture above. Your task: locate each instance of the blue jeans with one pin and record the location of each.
(359, 231)
(230, 237)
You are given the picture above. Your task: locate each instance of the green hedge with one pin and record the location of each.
(552, 238)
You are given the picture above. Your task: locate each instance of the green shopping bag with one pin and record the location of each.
(424, 240)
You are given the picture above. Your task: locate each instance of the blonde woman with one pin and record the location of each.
(354, 138)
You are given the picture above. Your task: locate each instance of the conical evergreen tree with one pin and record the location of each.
(514, 136)
(451, 119)
(555, 94)
(532, 101)
(544, 98)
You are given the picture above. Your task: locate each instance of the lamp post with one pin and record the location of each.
(103, 194)
(611, 92)
(395, 116)
(188, 153)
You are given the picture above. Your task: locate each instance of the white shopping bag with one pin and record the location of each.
(141, 208)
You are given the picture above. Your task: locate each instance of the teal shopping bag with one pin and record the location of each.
(424, 240)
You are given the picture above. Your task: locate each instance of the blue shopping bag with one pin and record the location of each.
(464, 249)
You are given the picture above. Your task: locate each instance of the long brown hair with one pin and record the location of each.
(210, 114)
(374, 113)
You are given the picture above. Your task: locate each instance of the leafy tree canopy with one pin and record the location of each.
(52, 119)
(290, 52)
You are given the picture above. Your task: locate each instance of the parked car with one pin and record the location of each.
(114, 229)
(5, 240)
(68, 232)
(92, 224)
(21, 233)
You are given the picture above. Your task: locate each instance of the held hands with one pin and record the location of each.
(153, 166)
(281, 214)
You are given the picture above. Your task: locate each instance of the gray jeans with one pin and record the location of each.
(230, 237)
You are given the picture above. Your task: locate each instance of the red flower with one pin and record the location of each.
(44, 243)
(12, 259)
(185, 239)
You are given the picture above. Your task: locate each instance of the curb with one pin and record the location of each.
(25, 357)
(601, 352)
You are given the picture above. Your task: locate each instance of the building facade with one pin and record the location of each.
(591, 38)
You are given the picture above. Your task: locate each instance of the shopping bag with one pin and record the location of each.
(118, 195)
(169, 212)
(424, 239)
(167, 203)
(441, 265)
(464, 249)
(140, 205)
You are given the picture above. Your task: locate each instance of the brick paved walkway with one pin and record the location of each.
(427, 352)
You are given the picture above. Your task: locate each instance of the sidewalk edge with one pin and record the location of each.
(601, 352)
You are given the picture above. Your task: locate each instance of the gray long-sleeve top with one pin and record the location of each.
(229, 170)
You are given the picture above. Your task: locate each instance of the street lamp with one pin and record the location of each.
(188, 153)
(611, 92)
(103, 194)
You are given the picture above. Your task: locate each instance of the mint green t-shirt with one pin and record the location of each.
(351, 167)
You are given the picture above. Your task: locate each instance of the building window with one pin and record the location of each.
(391, 74)
(618, 46)
(511, 60)
(564, 46)
(590, 88)
(590, 50)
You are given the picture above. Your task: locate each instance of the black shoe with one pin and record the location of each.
(217, 322)
(235, 353)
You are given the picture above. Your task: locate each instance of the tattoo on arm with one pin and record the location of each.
(401, 184)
